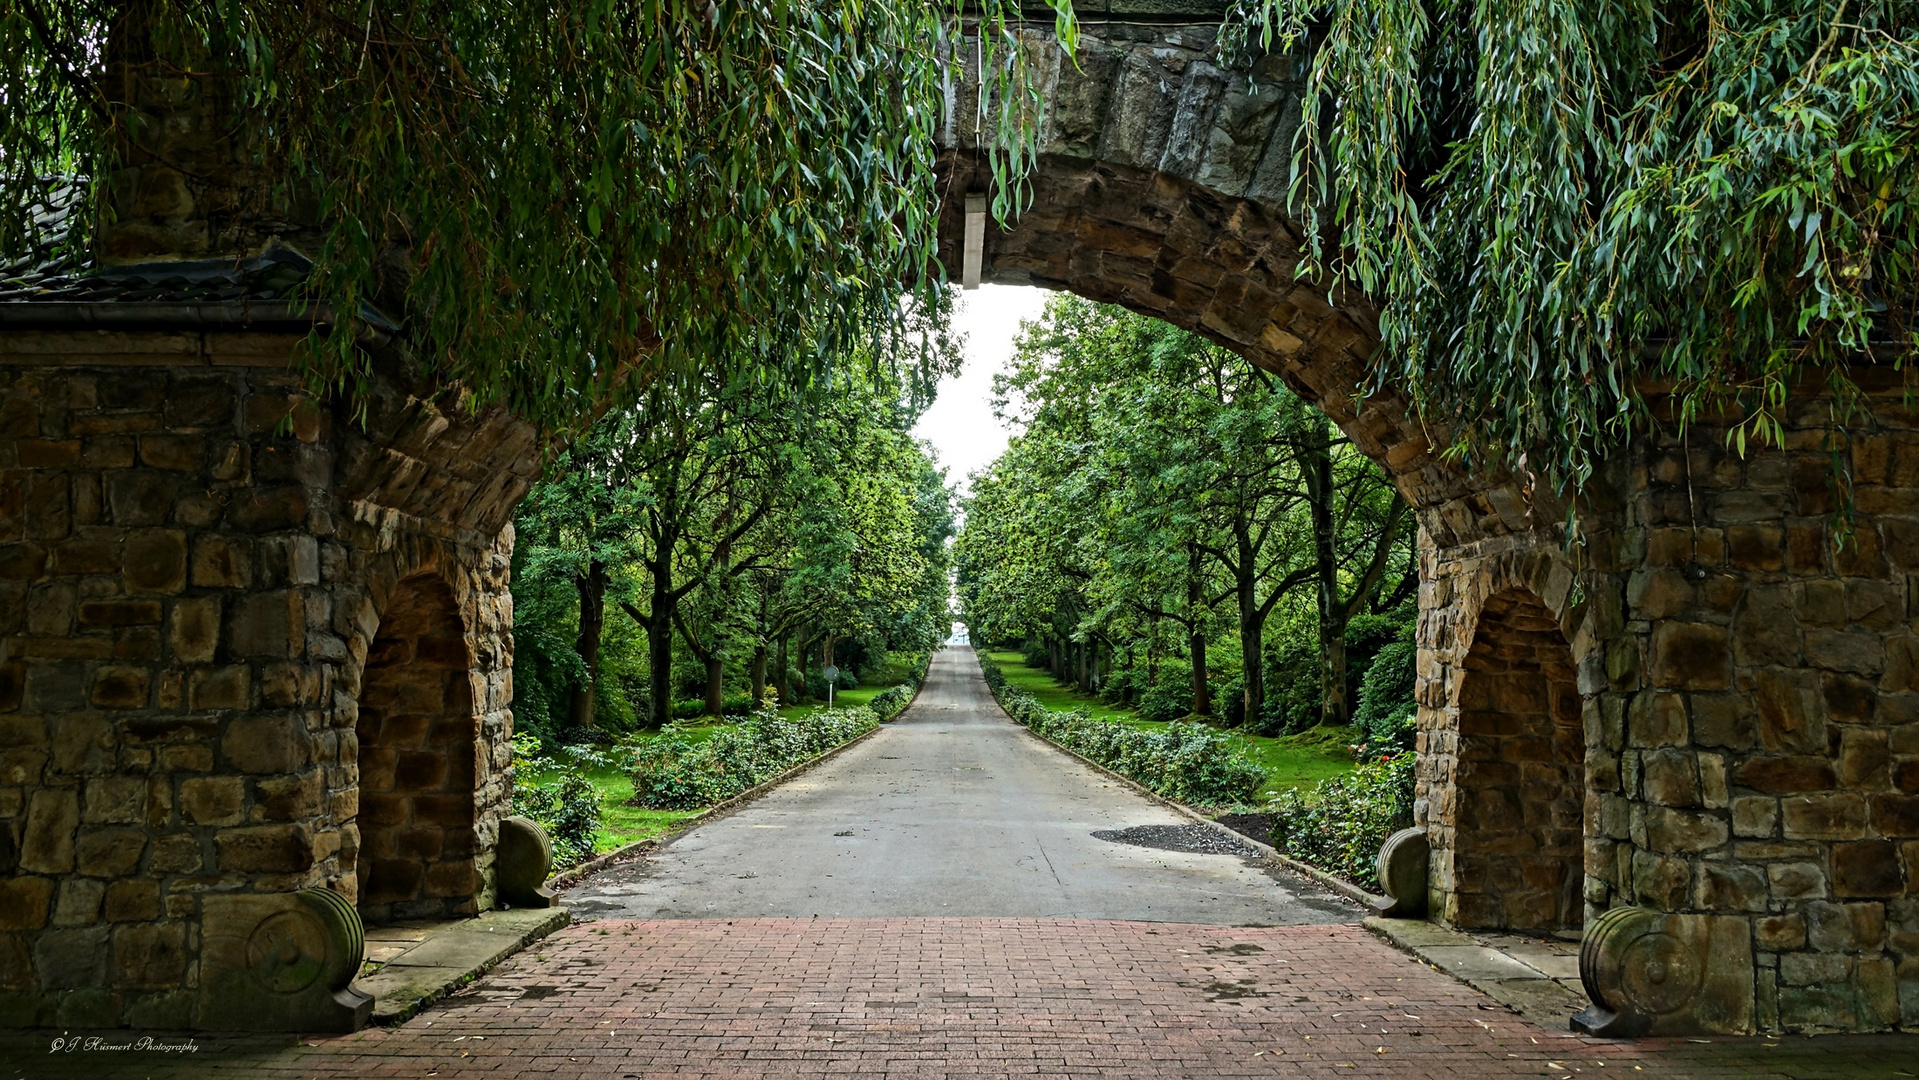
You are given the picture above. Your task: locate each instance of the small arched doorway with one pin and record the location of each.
(417, 734)
(1519, 833)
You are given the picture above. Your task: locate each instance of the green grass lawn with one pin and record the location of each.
(622, 823)
(1290, 761)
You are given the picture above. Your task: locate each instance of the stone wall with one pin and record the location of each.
(1517, 853)
(1750, 709)
(420, 753)
(195, 564)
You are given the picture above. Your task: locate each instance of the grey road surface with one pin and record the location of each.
(950, 810)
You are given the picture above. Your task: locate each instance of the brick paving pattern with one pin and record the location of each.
(967, 997)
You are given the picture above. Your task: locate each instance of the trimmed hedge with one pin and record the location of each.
(1339, 824)
(672, 772)
(1191, 763)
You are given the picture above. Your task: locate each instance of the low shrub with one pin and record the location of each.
(565, 803)
(1189, 762)
(1339, 824)
(1386, 711)
(672, 772)
(891, 701)
(1171, 696)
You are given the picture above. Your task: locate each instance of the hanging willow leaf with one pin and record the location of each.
(1556, 202)
(583, 194)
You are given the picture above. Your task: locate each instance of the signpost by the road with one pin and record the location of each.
(832, 674)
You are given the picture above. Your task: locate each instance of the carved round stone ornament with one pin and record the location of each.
(522, 859)
(1402, 866)
(318, 941)
(1631, 966)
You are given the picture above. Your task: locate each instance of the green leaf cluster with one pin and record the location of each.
(564, 200)
(1566, 211)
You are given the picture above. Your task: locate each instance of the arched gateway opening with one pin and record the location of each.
(1520, 782)
(1161, 185)
(418, 736)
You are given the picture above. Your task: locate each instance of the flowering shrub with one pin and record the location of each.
(1339, 824)
(673, 772)
(1188, 762)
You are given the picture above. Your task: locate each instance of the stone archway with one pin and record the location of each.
(418, 736)
(1518, 836)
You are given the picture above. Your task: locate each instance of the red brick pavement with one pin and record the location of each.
(967, 997)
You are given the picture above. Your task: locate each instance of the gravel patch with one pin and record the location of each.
(1257, 826)
(1194, 838)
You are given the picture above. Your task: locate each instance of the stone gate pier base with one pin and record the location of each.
(249, 645)
(1708, 707)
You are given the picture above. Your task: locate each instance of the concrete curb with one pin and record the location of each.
(452, 958)
(1508, 980)
(1344, 888)
(574, 875)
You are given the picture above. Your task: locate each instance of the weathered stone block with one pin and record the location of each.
(1755, 816)
(115, 800)
(110, 852)
(121, 687)
(194, 631)
(1896, 815)
(1797, 881)
(219, 688)
(156, 561)
(1669, 778)
(1840, 928)
(1679, 830)
(1725, 887)
(223, 561)
(1847, 651)
(266, 744)
(1786, 775)
(1840, 816)
(70, 959)
(266, 848)
(1849, 699)
(288, 798)
(141, 496)
(1791, 717)
(1657, 719)
(133, 900)
(152, 956)
(269, 509)
(104, 613)
(1691, 656)
(212, 800)
(24, 902)
(1779, 933)
(52, 817)
(78, 902)
(176, 853)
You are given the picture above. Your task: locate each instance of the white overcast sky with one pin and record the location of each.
(961, 425)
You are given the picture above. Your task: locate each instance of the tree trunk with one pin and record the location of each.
(592, 586)
(779, 678)
(659, 667)
(1318, 470)
(659, 649)
(1196, 632)
(715, 684)
(1252, 629)
(1202, 696)
(759, 674)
